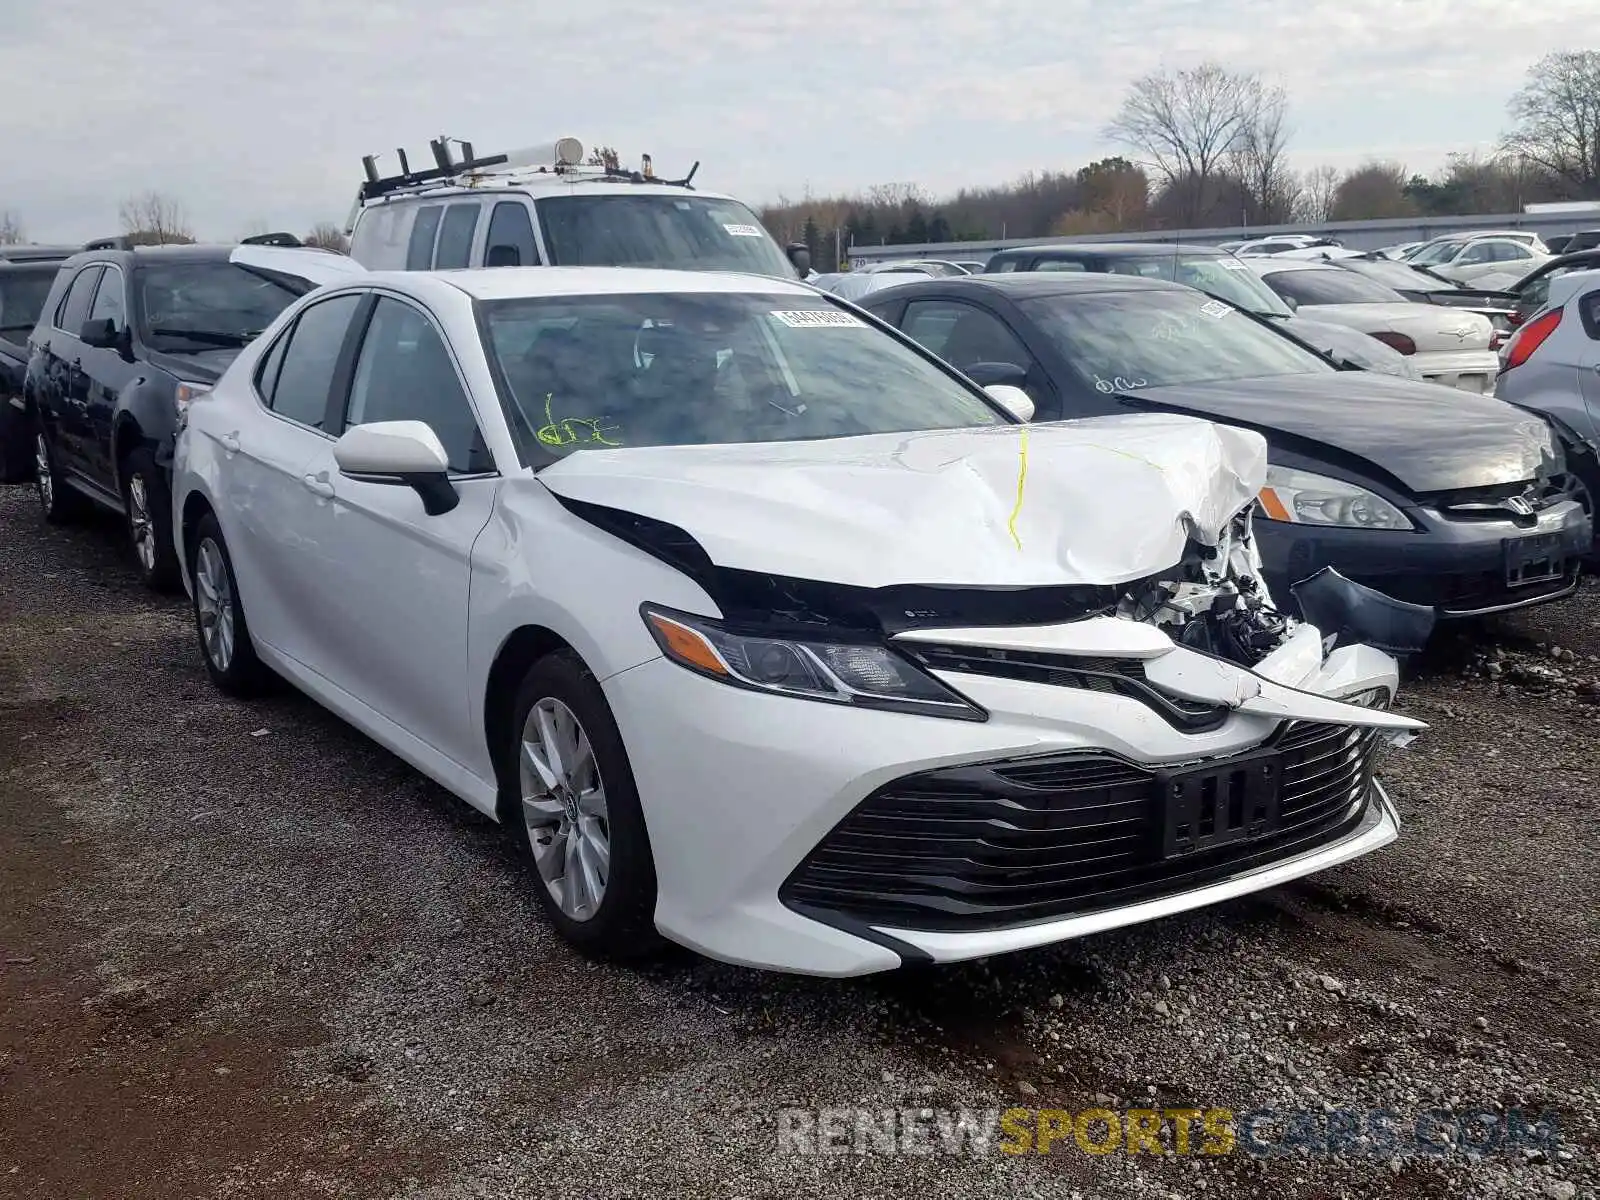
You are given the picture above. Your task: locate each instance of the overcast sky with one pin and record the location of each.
(260, 110)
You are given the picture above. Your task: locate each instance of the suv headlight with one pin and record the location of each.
(859, 674)
(1303, 498)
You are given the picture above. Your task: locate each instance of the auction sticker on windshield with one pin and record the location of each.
(817, 318)
(743, 230)
(1232, 264)
(1215, 308)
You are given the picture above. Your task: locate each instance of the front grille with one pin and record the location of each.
(1111, 676)
(998, 844)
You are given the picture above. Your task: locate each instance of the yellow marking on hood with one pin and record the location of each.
(1022, 479)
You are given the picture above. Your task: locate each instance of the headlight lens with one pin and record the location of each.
(1303, 498)
(855, 673)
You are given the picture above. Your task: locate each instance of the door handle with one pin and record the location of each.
(318, 485)
(230, 442)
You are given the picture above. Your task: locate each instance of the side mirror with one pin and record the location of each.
(103, 334)
(1013, 399)
(986, 373)
(404, 453)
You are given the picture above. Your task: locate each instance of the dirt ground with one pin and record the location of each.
(244, 952)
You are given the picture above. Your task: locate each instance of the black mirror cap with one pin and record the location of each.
(103, 334)
(986, 374)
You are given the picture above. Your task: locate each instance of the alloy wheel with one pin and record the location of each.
(213, 598)
(41, 466)
(141, 522)
(564, 808)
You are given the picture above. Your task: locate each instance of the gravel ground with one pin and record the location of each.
(244, 952)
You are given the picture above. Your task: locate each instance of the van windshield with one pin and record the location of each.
(693, 233)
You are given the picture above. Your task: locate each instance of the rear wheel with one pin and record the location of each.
(577, 812)
(148, 503)
(1583, 485)
(57, 501)
(219, 620)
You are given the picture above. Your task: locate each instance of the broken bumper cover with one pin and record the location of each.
(741, 791)
(1460, 568)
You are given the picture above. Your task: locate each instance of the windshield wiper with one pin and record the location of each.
(210, 336)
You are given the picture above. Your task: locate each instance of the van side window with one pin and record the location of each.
(455, 236)
(419, 252)
(510, 237)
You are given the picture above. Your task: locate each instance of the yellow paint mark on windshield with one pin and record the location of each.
(571, 430)
(1022, 480)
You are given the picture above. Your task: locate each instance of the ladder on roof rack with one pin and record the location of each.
(564, 156)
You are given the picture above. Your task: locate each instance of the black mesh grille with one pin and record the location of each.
(1007, 843)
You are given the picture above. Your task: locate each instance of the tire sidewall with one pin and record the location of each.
(624, 924)
(163, 575)
(57, 509)
(245, 673)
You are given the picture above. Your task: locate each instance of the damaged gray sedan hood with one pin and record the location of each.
(1099, 501)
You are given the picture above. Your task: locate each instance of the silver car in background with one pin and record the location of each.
(1551, 366)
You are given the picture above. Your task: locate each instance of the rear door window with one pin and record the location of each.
(73, 310)
(419, 250)
(310, 361)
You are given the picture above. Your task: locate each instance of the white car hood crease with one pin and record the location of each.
(1100, 501)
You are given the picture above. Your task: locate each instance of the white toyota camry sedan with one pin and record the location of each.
(764, 630)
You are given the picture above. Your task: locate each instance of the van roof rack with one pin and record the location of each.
(271, 239)
(563, 157)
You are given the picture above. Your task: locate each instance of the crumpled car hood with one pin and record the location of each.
(1099, 501)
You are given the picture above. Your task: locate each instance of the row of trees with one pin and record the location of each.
(1208, 147)
(157, 219)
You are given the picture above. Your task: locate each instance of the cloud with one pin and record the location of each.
(262, 109)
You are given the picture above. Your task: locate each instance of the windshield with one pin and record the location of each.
(1400, 277)
(590, 372)
(22, 296)
(1119, 342)
(1439, 252)
(692, 233)
(185, 307)
(1224, 277)
(1331, 285)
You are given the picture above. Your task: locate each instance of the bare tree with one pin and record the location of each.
(329, 236)
(10, 228)
(1259, 159)
(155, 219)
(1556, 117)
(1188, 122)
(1318, 186)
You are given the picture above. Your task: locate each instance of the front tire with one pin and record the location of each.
(147, 500)
(577, 815)
(225, 645)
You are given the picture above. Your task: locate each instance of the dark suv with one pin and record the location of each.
(25, 276)
(126, 339)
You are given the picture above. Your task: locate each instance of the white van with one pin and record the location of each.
(551, 206)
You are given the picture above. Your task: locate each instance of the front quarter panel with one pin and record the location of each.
(537, 564)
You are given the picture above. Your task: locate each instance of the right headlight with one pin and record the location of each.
(859, 674)
(1303, 498)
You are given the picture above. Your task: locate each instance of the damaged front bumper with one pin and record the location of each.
(851, 841)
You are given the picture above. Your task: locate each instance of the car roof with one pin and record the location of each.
(515, 283)
(1111, 249)
(32, 253)
(1027, 285)
(188, 252)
